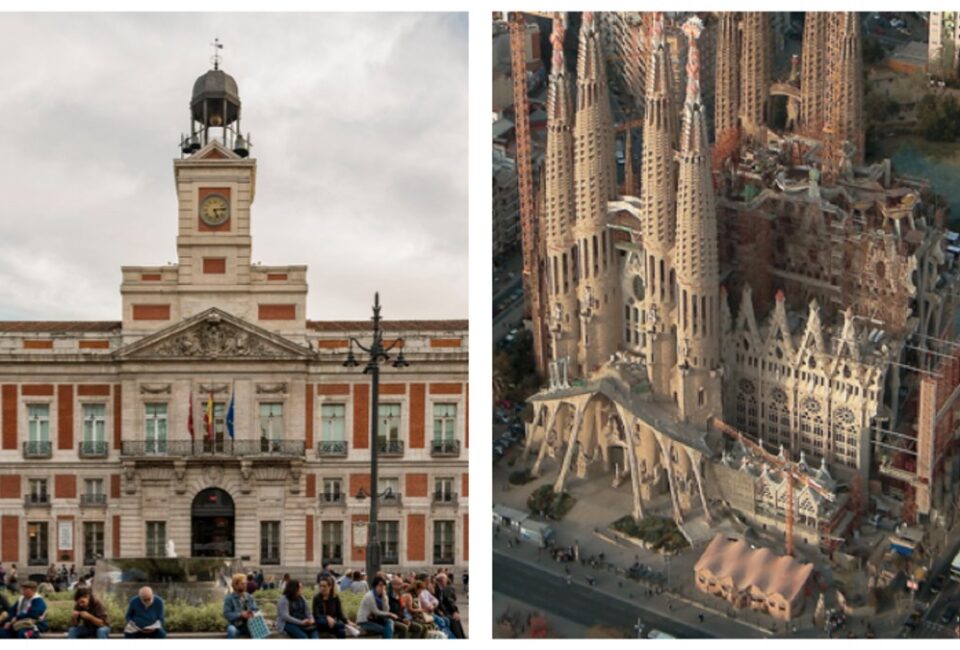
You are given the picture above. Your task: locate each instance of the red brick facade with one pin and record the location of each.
(65, 416)
(417, 413)
(277, 312)
(416, 538)
(361, 415)
(9, 413)
(10, 538)
(416, 485)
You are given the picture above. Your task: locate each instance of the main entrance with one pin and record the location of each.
(212, 524)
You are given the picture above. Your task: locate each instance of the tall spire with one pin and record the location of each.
(846, 91)
(813, 73)
(727, 76)
(755, 72)
(696, 256)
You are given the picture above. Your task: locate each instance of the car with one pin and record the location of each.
(949, 615)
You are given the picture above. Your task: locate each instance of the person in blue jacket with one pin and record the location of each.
(238, 607)
(145, 616)
(27, 618)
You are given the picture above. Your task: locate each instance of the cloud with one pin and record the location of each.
(359, 127)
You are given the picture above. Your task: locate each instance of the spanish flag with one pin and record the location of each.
(208, 417)
(190, 417)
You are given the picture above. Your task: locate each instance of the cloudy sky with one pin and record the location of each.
(359, 127)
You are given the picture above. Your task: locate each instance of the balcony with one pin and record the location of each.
(332, 448)
(445, 448)
(333, 499)
(93, 500)
(445, 499)
(206, 448)
(37, 449)
(36, 501)
(391, 500)
(390, 447)
(442, 559)
(93, 449)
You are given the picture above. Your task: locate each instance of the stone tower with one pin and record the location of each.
(846, 84)
(698, 374)
(594, 175)
(727, 107)
(813, 73)
(558, 209)
(658, 201)
(755, 72)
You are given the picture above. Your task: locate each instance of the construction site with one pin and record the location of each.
(738, 318)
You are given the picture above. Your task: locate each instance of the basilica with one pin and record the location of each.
(214, 419)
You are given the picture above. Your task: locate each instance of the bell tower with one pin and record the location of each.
(215, 180)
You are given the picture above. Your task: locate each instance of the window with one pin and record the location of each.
(331, 539)
(269, 542)
(38, 417)
(389, 533)
(443, 490)
(332, 490)
(92, 542)
(271, 426)
(444, 421)
(333, 425)
(156, 539)
(155, 423)
(93, 492)
(389, 489)
(94, 422)
(443, 542)
(38, 491)
(389, 428)
(38, 543)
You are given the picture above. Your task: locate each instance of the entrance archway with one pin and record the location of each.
(212, 527)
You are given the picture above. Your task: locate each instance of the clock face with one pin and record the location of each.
(214, 210)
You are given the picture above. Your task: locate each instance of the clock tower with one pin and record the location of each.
(216, 183)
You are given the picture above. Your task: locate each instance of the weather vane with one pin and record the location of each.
(217, 45)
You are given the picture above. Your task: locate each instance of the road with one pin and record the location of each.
(546, 591)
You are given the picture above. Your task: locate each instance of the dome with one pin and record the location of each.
(212, 90)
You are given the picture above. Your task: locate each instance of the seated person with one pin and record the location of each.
(328, 611)
(89, 616)
(27, 617)
(374, 615)
(238, 607)
(293, 616)
(145, 616)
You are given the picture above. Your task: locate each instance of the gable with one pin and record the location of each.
(214, 334)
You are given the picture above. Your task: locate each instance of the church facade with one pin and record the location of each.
(215, 419)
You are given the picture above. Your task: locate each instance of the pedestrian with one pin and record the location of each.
(359, 584)
(26, 618)
(145, 616)
(89, 618)
(293, 615)
(700, 616)
(328, 611)
(238, 607)
(374, 615)
(448, 605)
(252, 584)
(431, 606)
(283, 581)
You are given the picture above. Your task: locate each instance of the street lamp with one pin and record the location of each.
(376, 354)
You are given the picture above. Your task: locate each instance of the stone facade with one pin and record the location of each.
(97, 456)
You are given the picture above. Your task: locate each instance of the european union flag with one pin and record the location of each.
(230, 417)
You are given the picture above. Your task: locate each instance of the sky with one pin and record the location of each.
(358, 124)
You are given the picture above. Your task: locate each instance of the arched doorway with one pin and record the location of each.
(211, 518)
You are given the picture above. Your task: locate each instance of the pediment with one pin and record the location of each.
(214, 334)
(215, 151)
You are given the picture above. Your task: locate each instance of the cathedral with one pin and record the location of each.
(765, 325)
(214, 419)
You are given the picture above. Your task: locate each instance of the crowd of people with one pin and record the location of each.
(415, 605)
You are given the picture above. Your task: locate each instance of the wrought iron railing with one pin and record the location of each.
(192, 448)
(443, 559)
(391, 499)
(332, 498)
(445, 448)
(93, 499)
(332, 448)
(445, 498)
(41, 500)
(93, 449)
(390, 447)
(37, 449)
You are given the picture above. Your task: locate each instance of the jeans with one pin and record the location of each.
(376, 629)
(156, 634)
(84, 632)
(233, 631)
(338, 629)
(294, 631)
(22, 634)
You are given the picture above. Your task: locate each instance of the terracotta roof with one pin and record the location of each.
(750, 568)
(389, 325)
(59, 326)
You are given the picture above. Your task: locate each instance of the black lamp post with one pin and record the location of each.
(376, 354)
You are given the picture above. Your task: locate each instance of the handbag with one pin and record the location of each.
(257, 626)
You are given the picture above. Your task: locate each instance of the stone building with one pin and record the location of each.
(107, 449)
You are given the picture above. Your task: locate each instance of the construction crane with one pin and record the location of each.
(789, 471)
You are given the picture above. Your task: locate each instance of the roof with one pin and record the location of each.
(53, 326)
(388, 325)
(750, 568)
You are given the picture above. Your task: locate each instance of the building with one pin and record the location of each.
(753, 578)
(776, 287)
(943, 43)
(506, 206)
(107, 449)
